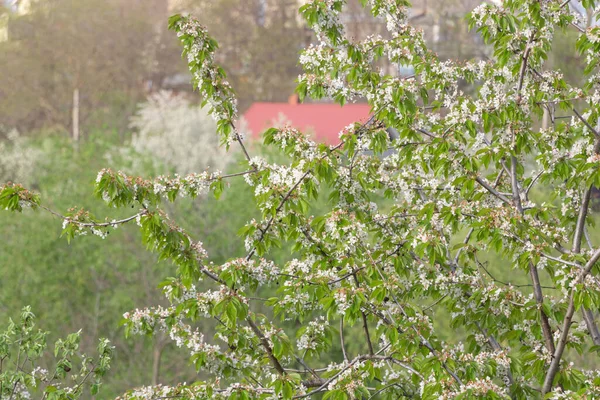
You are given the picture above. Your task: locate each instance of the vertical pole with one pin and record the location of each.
(75, 115)
(546, 118)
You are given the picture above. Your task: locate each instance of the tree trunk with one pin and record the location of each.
(157, 354)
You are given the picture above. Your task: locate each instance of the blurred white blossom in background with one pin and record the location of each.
(18, 159)
(178, 133)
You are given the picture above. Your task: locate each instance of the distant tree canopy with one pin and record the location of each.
(259, 44)
(104, 48)
(493, 158)
(60, 46)
(115, 52)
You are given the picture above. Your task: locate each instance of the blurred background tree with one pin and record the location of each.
(259, 44)
(115, 52)
(176, 133)
(99, 58)
(79, 285)
(58, 47)
(118, 56)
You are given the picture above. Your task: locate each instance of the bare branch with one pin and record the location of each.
(586, 123)
(351, 364)
(265, 343)
(562, 341)
(94, 224)
(532, 183)
(492, 190)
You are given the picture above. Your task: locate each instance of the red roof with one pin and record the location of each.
(325, 121)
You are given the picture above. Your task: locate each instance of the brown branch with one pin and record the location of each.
(364, 317)
(533, 272)
(586, 123)
(562, 341)
(588, 315)
(539, 298)
(492, 190)
(533, 181)
(524, 67)
(325, 383)
(564, 3)
(516, 194)
(583, 211)
(265, 343)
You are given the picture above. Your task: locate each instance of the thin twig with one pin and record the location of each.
(342, 339)
(586, 123)
(434, 303)
(481, 265)
(93, 224)
(238, 138)
(492, 190)
(587, 237)
(533, 183)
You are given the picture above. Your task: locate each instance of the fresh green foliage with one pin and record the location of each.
(13, 197)
(81, 285)
(73, 375)
(462, 163)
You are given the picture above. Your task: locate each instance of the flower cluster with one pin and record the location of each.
(209, 79)
(204, 391)
(14, 197)
(70, 367)
(478, 388)
(242, 271)
(314, 337)
(141, 322)
(119, 189)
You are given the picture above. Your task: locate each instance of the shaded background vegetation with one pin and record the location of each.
(116, 54)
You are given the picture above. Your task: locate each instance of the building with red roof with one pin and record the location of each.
(323, 120)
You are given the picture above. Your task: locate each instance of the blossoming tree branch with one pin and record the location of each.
(458, 186)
